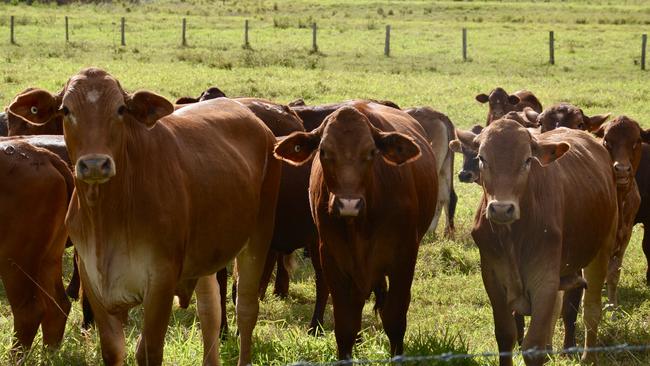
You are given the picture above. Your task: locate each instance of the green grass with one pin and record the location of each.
(597, 54)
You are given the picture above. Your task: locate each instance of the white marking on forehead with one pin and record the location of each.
(92, 96)
(559, 115)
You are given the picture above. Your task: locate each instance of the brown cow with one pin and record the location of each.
(439, 131)
(134, 245)
(566, 115)
(31, 254)
(372, 191)
(16, 126)
(500, 102)
(642, 179)
(3, 124)
(623, 138)
(210, 93)
(533, 244)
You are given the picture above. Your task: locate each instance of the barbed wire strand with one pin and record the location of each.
(446, 357)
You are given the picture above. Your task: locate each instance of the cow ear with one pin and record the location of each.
(645, 136)
(297, 148)
(36, 107)
(531, 115)
(548, 152)
(467, 138)
(147, 107)
(593, 123)
(482, 98)
(455, 146)
(600, 132)
(186, 100)
(513, 99)
(396, 148)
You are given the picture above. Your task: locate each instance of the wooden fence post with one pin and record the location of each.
(184, 41)
(644, 42)
(246, 44)
(123, 21)
(551, 47)
(67, 37)
(314, 45)
(464, 44)
(11, 32)
(387, 43)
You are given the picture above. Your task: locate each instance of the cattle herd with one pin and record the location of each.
(157, 197)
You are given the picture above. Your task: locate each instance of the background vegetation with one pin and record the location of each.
(598, 45)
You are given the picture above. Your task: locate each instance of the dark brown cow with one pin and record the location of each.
(566, 115)
(643, 214)
(210, 93)
(3, 124)
(215, 158)
(500, 102)
(16, 126)
(533, 244)
(372, 189)
(623, 138)
(31, 254)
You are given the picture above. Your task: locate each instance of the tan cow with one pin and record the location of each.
(163, 200)
(372, 191)
(500, 102)
(533, 244)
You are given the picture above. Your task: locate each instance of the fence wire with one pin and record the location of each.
(446, 357)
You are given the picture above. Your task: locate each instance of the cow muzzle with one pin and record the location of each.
(346, 206)
(467, 176)
(502, 212)
(623, 173)
(95, 168)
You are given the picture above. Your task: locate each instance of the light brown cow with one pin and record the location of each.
(566, 115)
(533, 244)
(372, 191)
(35, 192)
(623, 138)
(500, 102)
(163, 200)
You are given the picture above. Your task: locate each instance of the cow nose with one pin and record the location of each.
(466, 176)
(95, 168)
(502, 212)
(622, 168)
(346, 206)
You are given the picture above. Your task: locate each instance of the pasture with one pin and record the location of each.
(598, 47)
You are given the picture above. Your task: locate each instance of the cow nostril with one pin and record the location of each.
(491, 209)
(82, 166)
(106, 166)
(511, 210)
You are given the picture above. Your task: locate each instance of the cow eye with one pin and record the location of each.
(323, 154)
(527, 162)
(65, 110)
(481, 162)
(606, 144)
(121, 110)
(371, 154)
(581, 126)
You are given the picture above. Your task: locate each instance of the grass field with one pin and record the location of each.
(598, 50)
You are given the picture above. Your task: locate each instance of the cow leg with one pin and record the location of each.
(110, 327)
(646, 251)
(26, 307)
(88, 316)
(545, 306)
(595, 274)
(570, 307)
(393, 313)
(73, 287)
(322, 291)
(57, 308)
(282, 276)
(505, 328)
(348, 306)
(209, 310)
(450, 212)
(222, 279)
(268, 271)
(436, 217)
(158, 301)
(520, 324)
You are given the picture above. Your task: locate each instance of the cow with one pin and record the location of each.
(642, 179)
(500, 102)
(210, 93)
(3, 124)
(566, 115)
(623, 138)
(439, 130)
(135, 245)
(35, 193)
(373, 190)
(16, 126)
(531, 243)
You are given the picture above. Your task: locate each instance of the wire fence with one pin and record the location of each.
(447, 357)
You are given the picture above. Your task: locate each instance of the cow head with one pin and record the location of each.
(211, 93)
(469, 172)
(96, 113)
(507, 152)
(569, 116)
(526, 118)
(500, 103)
(623, 138)
(348, 146)
(17, 126)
